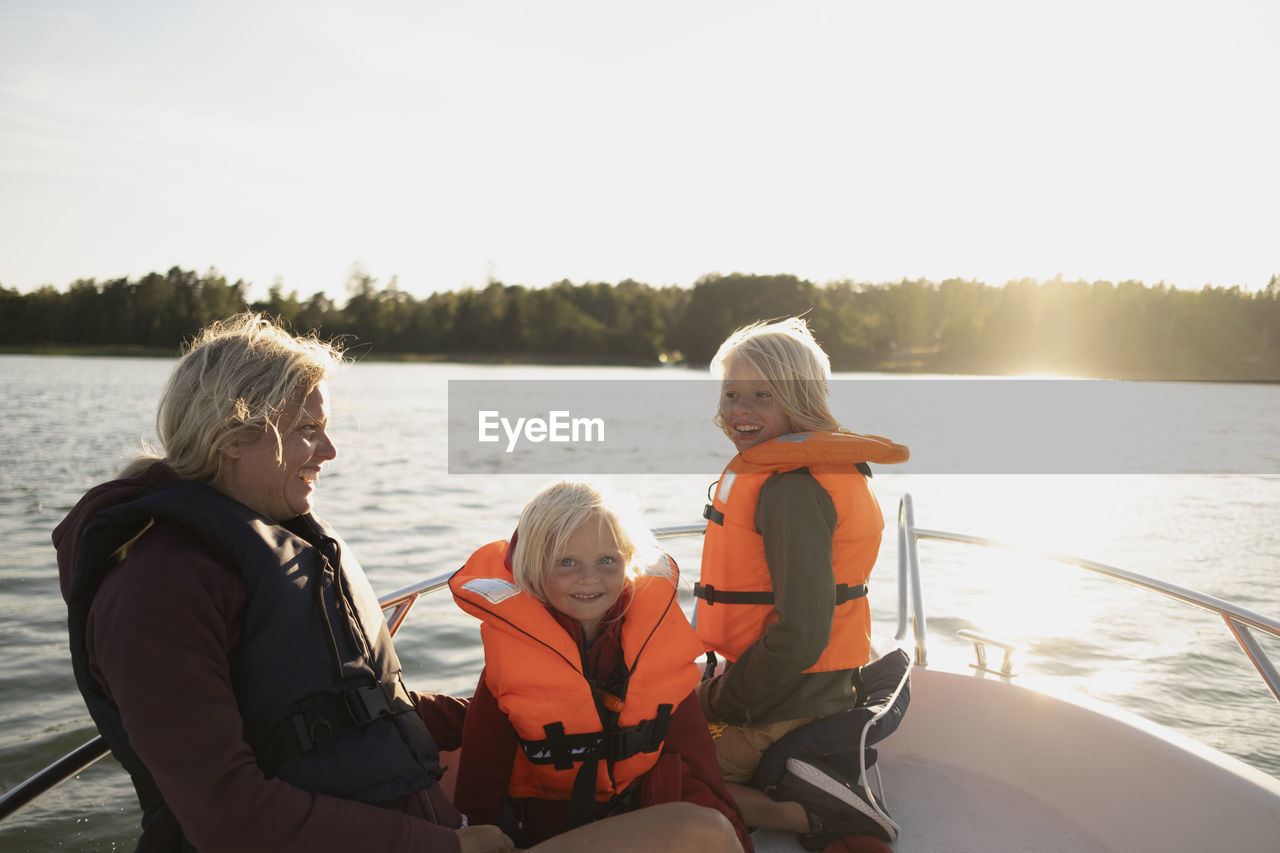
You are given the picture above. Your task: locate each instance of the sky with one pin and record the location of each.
(450, 144)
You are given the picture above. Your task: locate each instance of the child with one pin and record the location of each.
(585, 706)
(792, 535)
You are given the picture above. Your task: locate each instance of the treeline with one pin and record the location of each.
(1080, 328)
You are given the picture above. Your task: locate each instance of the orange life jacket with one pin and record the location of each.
(736, 594)
(534, 669)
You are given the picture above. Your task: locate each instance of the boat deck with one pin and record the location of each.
(943, 809)
(980, 766)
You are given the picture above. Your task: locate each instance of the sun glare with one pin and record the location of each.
(1030, 598)
(1011, 594)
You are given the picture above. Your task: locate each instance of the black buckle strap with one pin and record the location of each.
(366, 704)
(844, 592)
(319, 726)
(308, 734)
(644, 737)
(561, 749)
(564, 750)
(711, 595)
(710, 513)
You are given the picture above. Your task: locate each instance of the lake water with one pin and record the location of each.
(71, 422)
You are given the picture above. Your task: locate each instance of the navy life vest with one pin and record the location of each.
(314, 671)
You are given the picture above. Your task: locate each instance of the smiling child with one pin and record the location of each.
(585, 707)
(793, 531)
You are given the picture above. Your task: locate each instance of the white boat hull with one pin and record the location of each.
(982, 765)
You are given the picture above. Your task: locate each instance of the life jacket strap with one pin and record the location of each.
(563, 750)
(316, 728)
(711, 595)
(645, 737)
(708, 593)
(710, 513)
(844, 592)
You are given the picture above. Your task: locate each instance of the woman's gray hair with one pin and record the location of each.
(237, 374)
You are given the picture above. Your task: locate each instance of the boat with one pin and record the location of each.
(983, 762)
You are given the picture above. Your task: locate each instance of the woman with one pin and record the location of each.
(229, 647)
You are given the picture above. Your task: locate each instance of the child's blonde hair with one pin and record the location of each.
(556, 512)
(792, 364)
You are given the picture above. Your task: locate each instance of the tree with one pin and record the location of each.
(278, 305)
(1127, 330)
(719, 305)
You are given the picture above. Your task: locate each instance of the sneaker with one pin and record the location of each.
(835, 806)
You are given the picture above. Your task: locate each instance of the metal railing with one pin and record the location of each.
(1239, 621)
(402, 600)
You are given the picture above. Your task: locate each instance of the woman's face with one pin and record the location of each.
(586, 575)
(281, 489)
(750, 413)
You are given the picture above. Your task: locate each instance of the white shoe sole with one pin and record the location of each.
(823, 782)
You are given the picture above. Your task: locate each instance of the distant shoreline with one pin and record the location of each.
(905, 367)
(356, 353)
(98, 350)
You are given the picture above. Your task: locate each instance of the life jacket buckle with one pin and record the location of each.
(647, 736)
(366, 704)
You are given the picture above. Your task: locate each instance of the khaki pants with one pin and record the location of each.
(739, 748)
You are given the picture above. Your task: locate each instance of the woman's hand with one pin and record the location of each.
(485, 838)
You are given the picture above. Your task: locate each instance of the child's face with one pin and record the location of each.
(748, 409)
(586, 576)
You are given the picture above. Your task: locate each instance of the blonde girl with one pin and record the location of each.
(585, 708)
(793, 532)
